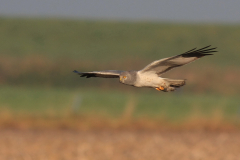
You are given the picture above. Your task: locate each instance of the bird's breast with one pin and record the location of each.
(147, 80)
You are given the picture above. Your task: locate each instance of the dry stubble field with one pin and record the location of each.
(69, 144)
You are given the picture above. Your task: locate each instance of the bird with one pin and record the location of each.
(149, 76)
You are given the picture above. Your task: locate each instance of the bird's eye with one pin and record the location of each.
(124, 77)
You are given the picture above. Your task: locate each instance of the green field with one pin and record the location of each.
(43, 52)
(37, 57)
(114, 40)
(115, 104)
(105, 41)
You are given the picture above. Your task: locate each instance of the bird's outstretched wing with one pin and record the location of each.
(163, 65)
(103, 74)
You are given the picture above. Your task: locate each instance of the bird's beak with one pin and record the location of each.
(121, 78)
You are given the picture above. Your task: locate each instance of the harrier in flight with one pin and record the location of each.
(150, 75)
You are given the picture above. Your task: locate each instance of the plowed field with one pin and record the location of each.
(118, 145)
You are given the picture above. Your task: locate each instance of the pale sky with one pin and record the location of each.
(223, 11)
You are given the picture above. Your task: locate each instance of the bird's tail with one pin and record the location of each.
(174, 83)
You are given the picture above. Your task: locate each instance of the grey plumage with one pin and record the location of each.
(103, 74)
(131, 77)
(164, 65)
(149, 76)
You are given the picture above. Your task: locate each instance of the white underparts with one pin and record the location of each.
(148, 80)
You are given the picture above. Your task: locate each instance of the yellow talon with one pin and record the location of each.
(160, 88)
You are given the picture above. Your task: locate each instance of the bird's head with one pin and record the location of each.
(128, 77)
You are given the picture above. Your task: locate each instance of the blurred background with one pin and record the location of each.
(42, 42)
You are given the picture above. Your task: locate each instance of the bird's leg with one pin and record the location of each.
(161, 88)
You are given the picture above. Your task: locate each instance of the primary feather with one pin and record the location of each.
(163, 65)
(150, 75)
(103, 74)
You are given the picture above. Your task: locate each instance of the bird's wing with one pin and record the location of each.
(163, 65)
(103, 74)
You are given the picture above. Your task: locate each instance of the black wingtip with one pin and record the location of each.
(82, 74)
(79, 73)
(75, 71)
(205, 51)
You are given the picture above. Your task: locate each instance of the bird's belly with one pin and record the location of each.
(149, 82)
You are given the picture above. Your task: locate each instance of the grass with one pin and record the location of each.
(45, 51)
(107, 41)
(114, 104)
(38, 56)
